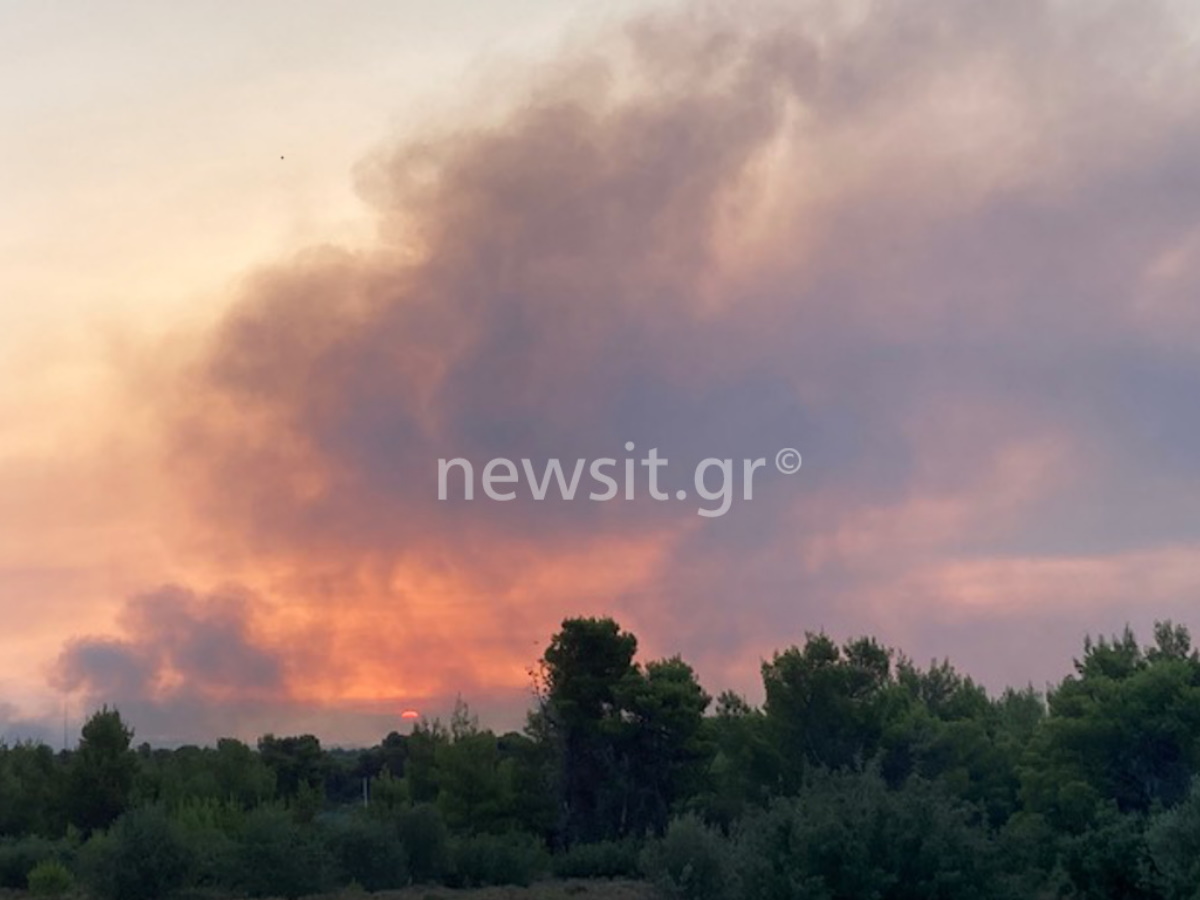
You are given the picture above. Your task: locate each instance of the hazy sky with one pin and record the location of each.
(262, 265)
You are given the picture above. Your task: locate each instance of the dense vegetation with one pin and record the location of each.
(862, 776)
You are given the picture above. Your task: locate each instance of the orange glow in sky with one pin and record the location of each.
(259, 273)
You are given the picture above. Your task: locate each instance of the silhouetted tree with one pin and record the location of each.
(102, 772)
(825, 704)
(1125, 728)
(586, 670)
(298, 762)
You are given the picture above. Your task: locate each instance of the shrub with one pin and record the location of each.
(368, 852)
(426, 842)
(602, 859)
(142, 857)
(1028, 850)
(50, 878)
(214, 858)
(848, 835)
(19, 857)
(485, 860)
(277, 857)
(1173, 848)
(208, 826)
(690, 862)
(1107, 859)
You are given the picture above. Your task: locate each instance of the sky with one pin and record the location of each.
(261, 270)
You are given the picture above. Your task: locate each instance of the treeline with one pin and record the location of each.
(862, 775)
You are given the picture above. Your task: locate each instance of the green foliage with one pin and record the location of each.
(1108, 858)
(474, 785)
(367, 852)
(666, 749)
(297, 762)
(531, 773)
(825, 704)
(1028, 852)
(231, 773)
(209, 827)
(306, 802)
(389, 755)
(143, 857)
(584, 672)
(102, 772)
(1123, 729)
(50, 878)
(426, 842)
(420, 769)
(487, 859)
(1173, 848)
(630, 742)
(388, 794)
(745, 767)
(18, 856)
(941, 726)
(584, 668)
(848, 835)
(862, 775)
(242, 776)
(278, 857)
(690, 862)
(601, 859)
(31, 791)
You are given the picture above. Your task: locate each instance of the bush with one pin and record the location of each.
(426, 842)
(142, 857)
(690, 862)
(368, 852)
(1028, 848)
(214, 857)
(208, 826)
(1107, 859)
(848, 835)
(1173, 848)
(277, 857)
(19, 857)
(602, 859)
(486, 860)
(50, 878)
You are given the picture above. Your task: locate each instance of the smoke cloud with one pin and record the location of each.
(946, 249)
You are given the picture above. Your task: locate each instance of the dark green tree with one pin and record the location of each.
(475, 786)
(420, 768)
(585, 672)
(745, 769)
(101, 772)
(665, 749)
(848, 835)
(143, 857)
(1173, 848)
(242, 776)
(297, 762)
(31, 790)
(279, 857)
(1125, 729)
(826, 704)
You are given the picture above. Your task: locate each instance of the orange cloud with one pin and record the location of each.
(910, 244)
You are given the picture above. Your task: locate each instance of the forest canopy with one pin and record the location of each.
(862, 774)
